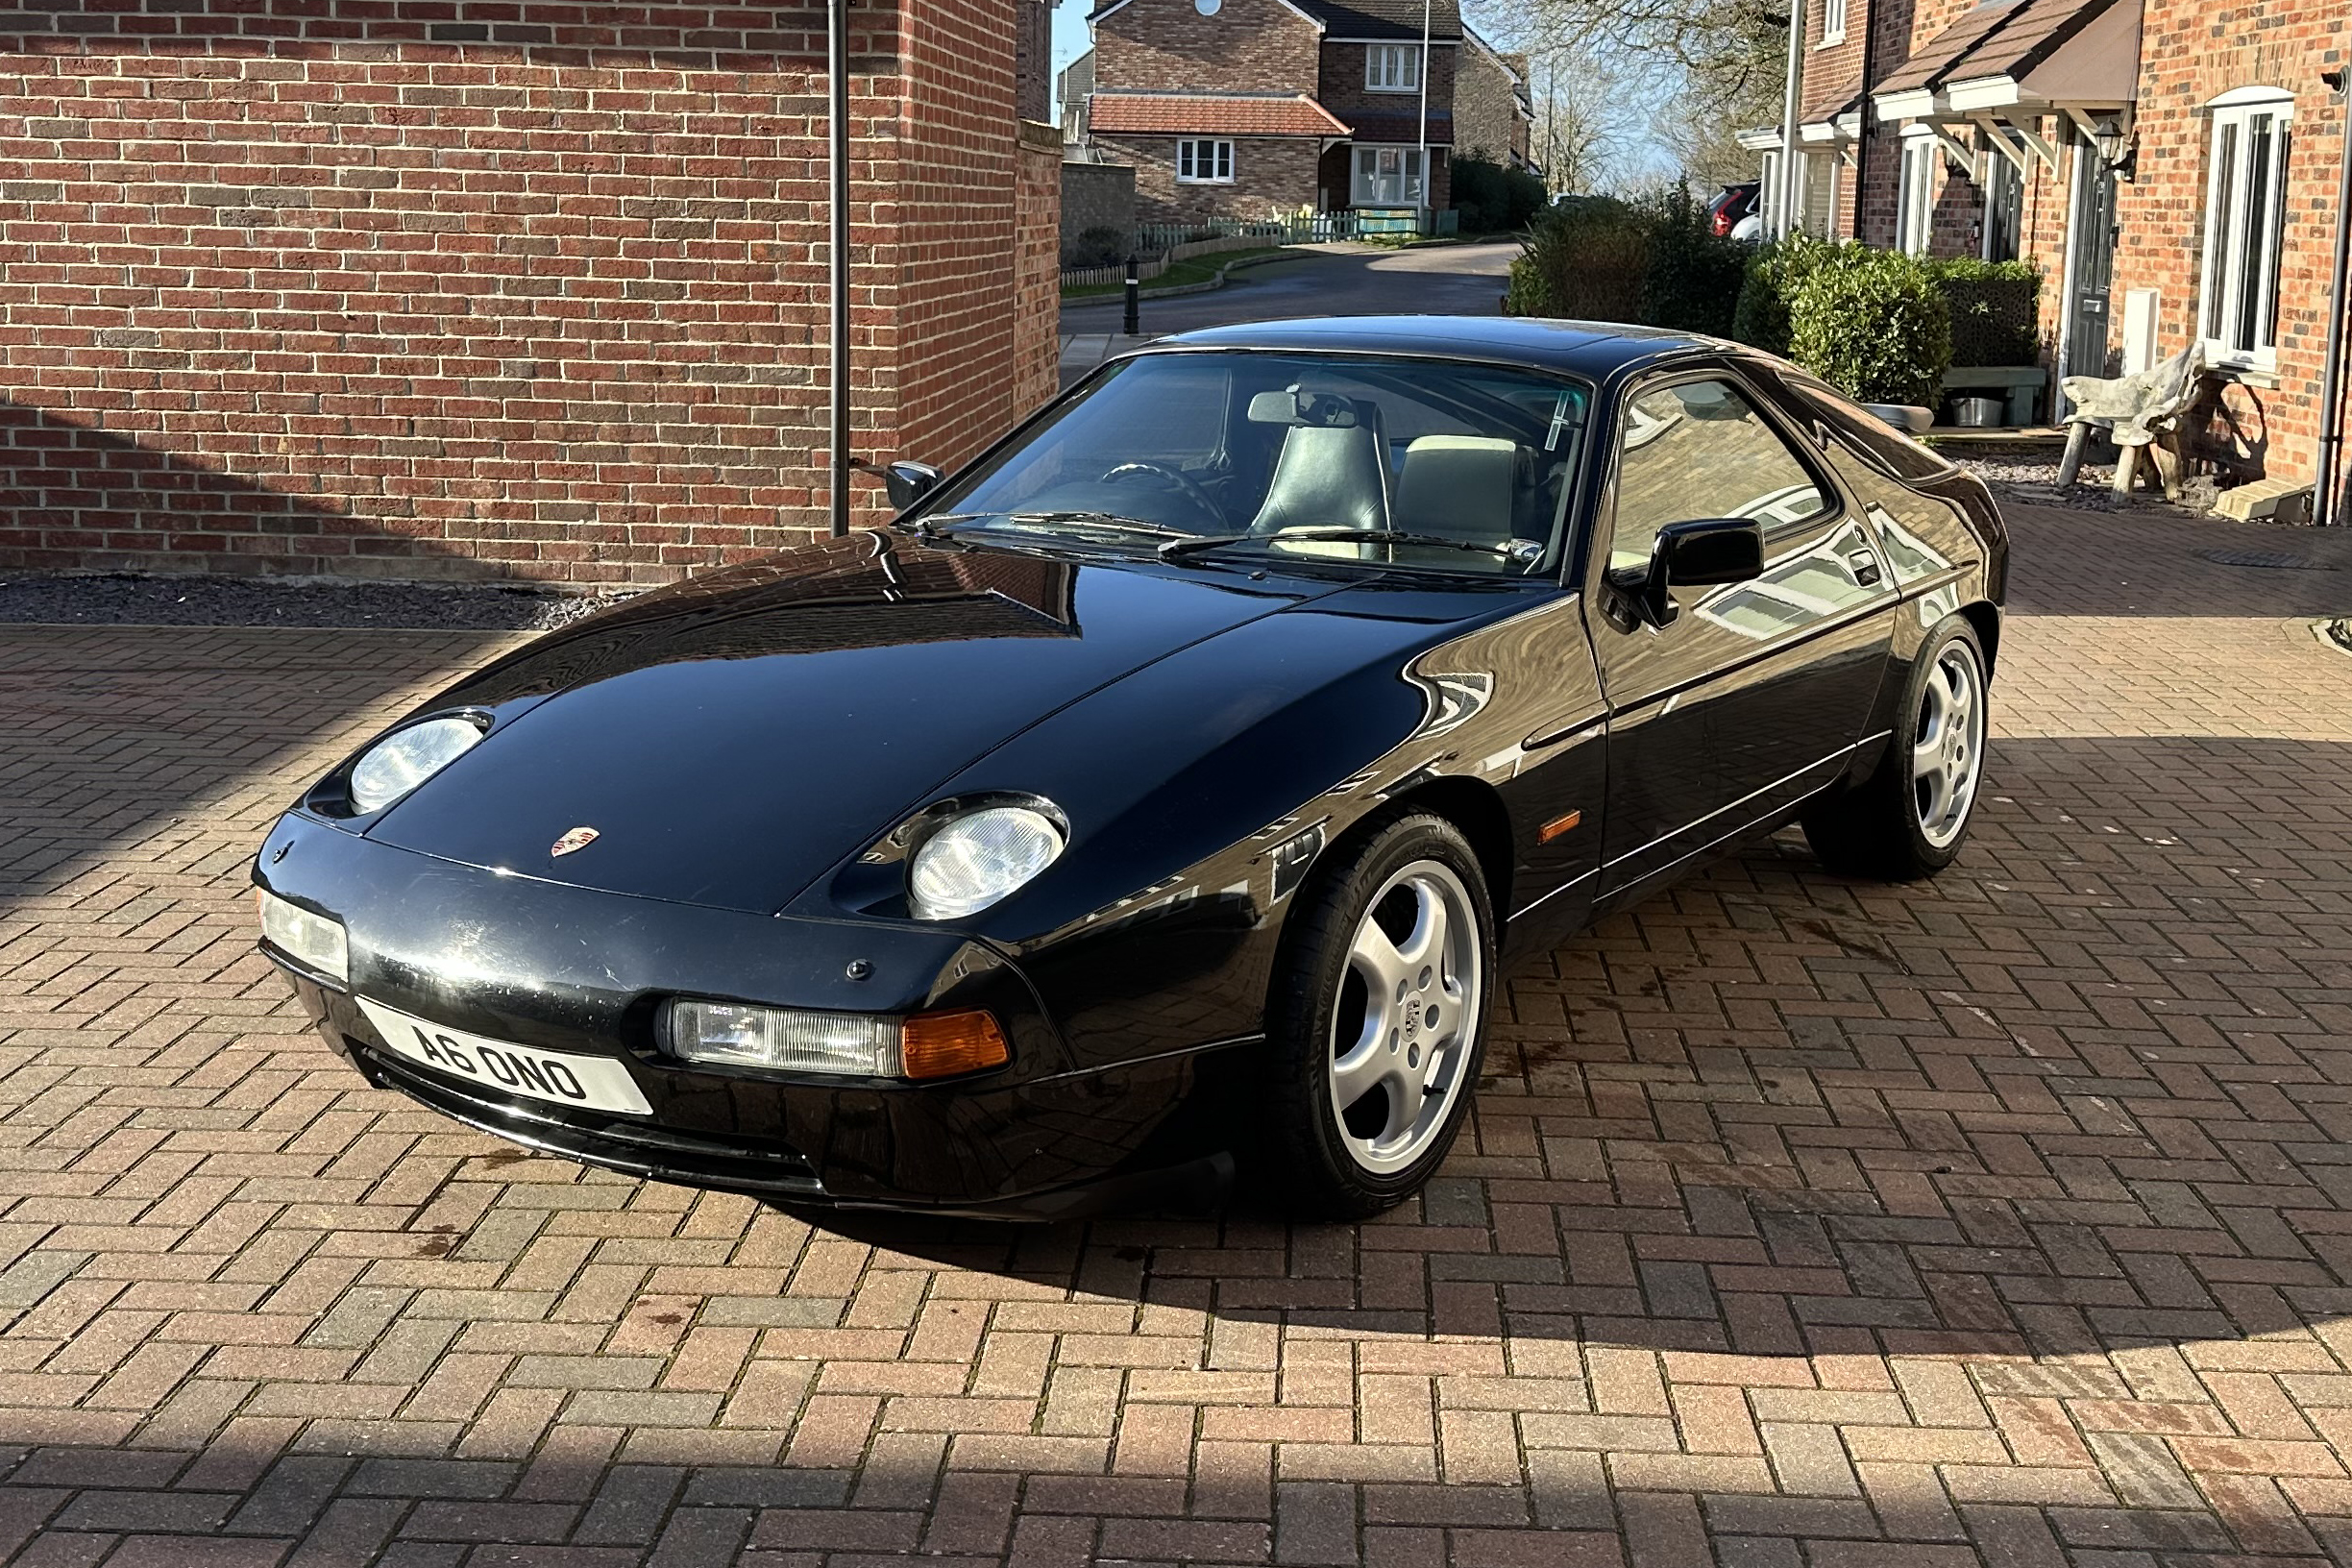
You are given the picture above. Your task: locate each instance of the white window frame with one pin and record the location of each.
(1365, 191)
(1215, 153)
(1834, 24)
(1392, 67)
(2233, 224)
(1915, 193)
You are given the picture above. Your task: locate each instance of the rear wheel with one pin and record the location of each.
(1379, 1021)
(1910, 817)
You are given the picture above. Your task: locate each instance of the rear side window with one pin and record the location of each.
(1697, 450)
(1879, 443)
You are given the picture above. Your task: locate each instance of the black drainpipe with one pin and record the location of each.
(1868, 112)
(837, 69)
(2326, 498)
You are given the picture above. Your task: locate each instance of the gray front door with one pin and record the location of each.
(2091, 236)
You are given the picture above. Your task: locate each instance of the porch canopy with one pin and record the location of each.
(2005, 65)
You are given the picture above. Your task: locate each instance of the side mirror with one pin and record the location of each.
(909, 482)
(1712, 552)
(1704, 552)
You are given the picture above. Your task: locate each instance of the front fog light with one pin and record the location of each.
(853, 1045)
(313, 940)
(731, 1034)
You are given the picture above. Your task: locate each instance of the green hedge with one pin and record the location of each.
(1872, 323)
(1494, 200)
(1994, 306)
(1653, 263)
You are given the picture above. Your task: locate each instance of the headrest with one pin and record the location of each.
(1293, 407)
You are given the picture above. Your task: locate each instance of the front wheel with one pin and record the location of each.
(1377, 1021)
(1909, 818)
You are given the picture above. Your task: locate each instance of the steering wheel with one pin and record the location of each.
(1177, 480)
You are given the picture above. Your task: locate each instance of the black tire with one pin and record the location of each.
(1306, 1160)
(1876, 827)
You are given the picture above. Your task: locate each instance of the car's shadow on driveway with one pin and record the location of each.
(2088, 1089)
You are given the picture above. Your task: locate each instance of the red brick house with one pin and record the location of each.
(2172, 166)
(1251, 109)
(516, 289)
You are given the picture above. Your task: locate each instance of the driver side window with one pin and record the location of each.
(1700, 449)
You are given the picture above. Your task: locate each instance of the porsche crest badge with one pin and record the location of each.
(579, 838)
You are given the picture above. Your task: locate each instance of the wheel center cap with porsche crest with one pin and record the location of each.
(579, 838)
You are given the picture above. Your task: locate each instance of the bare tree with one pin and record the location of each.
(1589, 116)
(1681, 77)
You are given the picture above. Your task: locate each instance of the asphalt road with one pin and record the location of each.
(1438, 280)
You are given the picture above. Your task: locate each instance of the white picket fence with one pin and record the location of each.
(1146, 271)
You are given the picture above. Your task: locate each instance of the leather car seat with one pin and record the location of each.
(1466, 487)
(1332, 472)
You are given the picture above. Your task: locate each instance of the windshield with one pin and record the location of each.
(1387, 462)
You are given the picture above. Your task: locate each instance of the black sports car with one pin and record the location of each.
(1172, 780)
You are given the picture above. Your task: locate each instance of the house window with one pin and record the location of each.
(1393, 68)
(2245, 220)
(1386, 177)
(2004, 199)
(1915, 200)
(1833, 23)
(1204, 162)
(1818, 201)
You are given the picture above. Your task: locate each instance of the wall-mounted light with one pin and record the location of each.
(2116, 150)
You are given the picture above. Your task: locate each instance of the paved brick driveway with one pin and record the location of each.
(1806, 1222)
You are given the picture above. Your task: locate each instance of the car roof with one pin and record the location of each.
(1593, 348)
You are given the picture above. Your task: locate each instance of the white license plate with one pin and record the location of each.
(595, 1082)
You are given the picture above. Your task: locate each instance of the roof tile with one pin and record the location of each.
(1204, 113)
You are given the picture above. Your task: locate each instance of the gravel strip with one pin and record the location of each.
(124, 598)
(2029, 472)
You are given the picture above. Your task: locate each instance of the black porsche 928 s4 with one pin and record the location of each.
(1169, 785)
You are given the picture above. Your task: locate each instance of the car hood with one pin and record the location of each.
(731, 739)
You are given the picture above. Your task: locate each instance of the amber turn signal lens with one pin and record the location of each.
(943, 1045)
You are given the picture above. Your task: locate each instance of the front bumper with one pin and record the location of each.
(565, 968)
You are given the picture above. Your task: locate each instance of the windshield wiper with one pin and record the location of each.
(930, 526)
(1518, 549)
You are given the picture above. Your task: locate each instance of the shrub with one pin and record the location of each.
(1693, 280)
(1995, 307)
(1098, 247)
(1761, 318)
(1493, 199)
(1654, 262)
(1872, 323)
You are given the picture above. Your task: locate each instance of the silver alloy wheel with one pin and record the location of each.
(1404, 1025)
(1948, 750)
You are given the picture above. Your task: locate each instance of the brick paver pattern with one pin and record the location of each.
(1804, 1221)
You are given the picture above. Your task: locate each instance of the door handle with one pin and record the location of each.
(1864, 566)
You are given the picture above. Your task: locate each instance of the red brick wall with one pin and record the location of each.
(2188, 55)
(1340, 83)
(1486, 106)
(298, 290)
(1248, 46)
(1037, 310)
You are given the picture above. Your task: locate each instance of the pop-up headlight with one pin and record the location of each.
(408, 757)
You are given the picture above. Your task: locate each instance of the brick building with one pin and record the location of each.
(1248, 109)
(476, 290)
(1494, 114)
(2172, 166)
